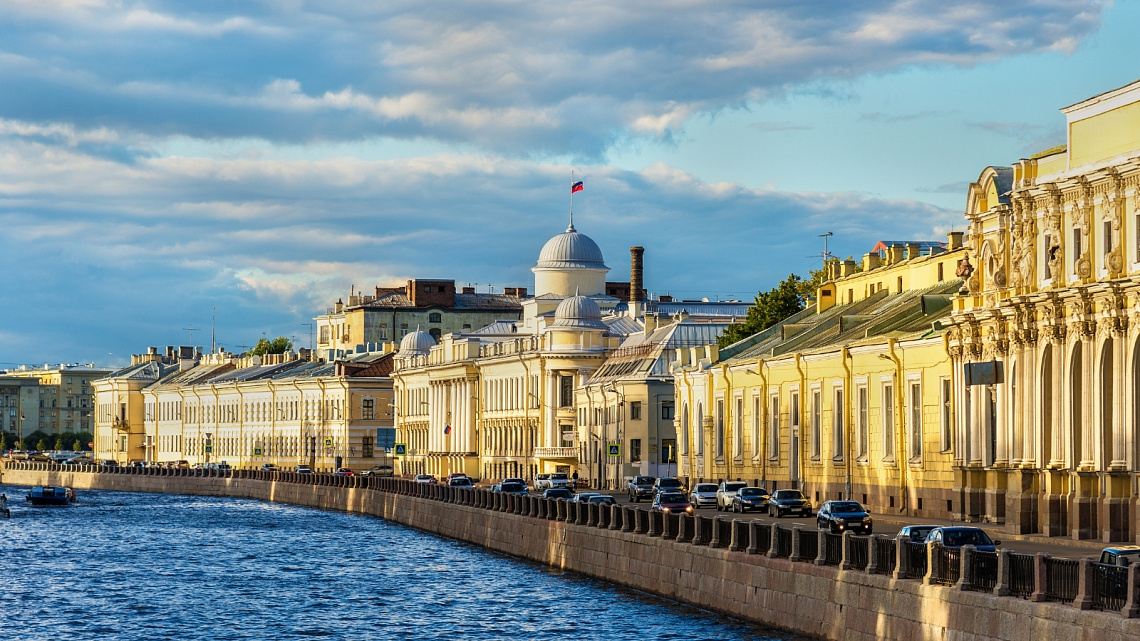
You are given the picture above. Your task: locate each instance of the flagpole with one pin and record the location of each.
(571, 199)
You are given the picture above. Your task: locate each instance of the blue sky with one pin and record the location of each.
(160, 159)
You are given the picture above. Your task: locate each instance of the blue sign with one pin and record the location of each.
(386, 437)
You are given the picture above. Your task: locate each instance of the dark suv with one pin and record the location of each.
(640, 487)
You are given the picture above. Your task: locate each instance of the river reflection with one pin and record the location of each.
(148, 566)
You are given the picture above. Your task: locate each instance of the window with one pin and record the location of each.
(634, 450)
(1107, 237)
(366, 446)
(816, 411)
(947, 414)
(435, 333)
(368, 409)
(635, 411)
(1048, 243)
(900, 283)
(738, 433)
(566, 391)
(719, 428)
(1076, 247)
(940, 273)
(667, 410)
(684, 426)
(838, 425)
(863, 435)
(435, 317)
(888, 421)
(773, 427)
(668, 450)
(915, 420)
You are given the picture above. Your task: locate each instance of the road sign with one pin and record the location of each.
(614, 449)
(257, 451)
(401, 449)
(385, 437)
(328, 441)
(209, 449)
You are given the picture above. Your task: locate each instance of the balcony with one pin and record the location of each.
(556, 452)
(121, 424)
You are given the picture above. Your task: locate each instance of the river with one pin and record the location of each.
(120, 565)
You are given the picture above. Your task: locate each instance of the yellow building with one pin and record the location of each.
(1050, 443)
(248, 411)
(849, 398)
(66, 398)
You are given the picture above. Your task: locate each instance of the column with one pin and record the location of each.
(1119, 458)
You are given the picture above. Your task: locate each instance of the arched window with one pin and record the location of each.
(435, 317)
(1076, 406)
(685, 429)
(699, 430)
(1049, 454)
(1107, 408)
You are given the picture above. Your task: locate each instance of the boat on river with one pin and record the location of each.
(51, 495)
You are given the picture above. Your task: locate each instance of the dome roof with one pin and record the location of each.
(416, 343)
(578, 312)
(570, 249)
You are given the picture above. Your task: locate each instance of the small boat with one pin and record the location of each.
(51, 495)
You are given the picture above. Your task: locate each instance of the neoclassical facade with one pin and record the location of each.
(1049, 444)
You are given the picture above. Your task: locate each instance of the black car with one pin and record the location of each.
(840, 516)
(668, 484)
(557, 493)
(788, 502)
(749, 498)
(640, 487)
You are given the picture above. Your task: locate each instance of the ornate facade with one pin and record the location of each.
(1050, 444)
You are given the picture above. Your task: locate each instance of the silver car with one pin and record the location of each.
(725, 494)
(703, 495)
(541, 482)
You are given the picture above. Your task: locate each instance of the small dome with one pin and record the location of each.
(416, 344)
(578, 312)
(570, 249)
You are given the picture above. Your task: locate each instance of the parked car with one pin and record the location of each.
(460, 481)
(749, 498)
(667, 502)
(557, 493)
(269, 467)
(541, 482)
(1120, 555)
(303, 469)
(640, 487)
(703, 494)
(182, 465)
(957, 536)
(788, 502)
(838, 516)
(725, 492)
(915, 533)
(424, 478)
(343, 471)
(603, 499)
(668, 484)
(584, 497)
(513, 487)
(223, 466)
(560, 479)
(379, 471)
(519, 481)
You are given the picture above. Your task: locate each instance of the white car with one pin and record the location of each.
(560, 479)
(542, 482)
(726, 492)
(703, 495)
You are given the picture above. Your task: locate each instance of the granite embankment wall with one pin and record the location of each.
(625, 546)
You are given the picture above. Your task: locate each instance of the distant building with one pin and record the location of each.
(65, 398)
(433, 306)
(19, 405)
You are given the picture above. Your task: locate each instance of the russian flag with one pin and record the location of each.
(576, 187)
(447, 429)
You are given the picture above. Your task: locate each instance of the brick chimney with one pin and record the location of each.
(636, 267)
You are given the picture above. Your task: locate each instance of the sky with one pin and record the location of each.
(166, 165)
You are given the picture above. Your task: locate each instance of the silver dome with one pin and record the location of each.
(571, 249)
(416, 343)
(578, 312)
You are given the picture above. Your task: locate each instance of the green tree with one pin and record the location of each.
(42, 445)
(77, 446)
(59, 443)
(279, 345)
(3, 441)
(771, 307)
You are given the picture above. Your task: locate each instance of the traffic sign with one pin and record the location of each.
(614, 449)
(328, 441)
(209, 449)
(401, 449)
(257, 451)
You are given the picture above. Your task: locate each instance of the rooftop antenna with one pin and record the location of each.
(191, 329)
(825, 254)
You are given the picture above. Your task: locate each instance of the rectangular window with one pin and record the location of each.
(667, 410)
(773, 427)
(1048, 272)
(668, 450)
(1077, 250)
(634, 450)
(863, 436)
(915, 420)
(947, 414)
(888, 421)
(816, 416)
(1107, 237)
(635, 411)
(738, 433)
(367, 409)
(940, 275)
(719, 425)
(839, 427)
(565, 391)
(367, 446)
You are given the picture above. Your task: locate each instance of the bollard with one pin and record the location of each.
(699, 537)
(685, 528)
(540, 508)
(604, 512)
(655, 524)
(1040, 580)
(592, 513)
(931, 551)
(615, 517)
(628, 519)
(715, 542)
(901, 559)
(571, 512)
(562, 513)
(583, 513)
(845, 560)
(966, 568)
(1131, 609)
(739, 536)
(1085, 579)
(872, 553)
(753, 538)
(795, 555)
(642, 522)
(820, 548)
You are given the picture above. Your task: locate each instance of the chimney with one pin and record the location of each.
(913, 250)
(870, 261)
(847, 268)
(896, 254)
(650, 323)
(955, 238)
(468, 290)
(636, 265)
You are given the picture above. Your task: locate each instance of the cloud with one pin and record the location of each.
(522, 79)
(127, 252)
(948, 188)
(779, 126)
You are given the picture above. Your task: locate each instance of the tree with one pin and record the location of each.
(3, 441)
(771, 307)
(59, 444)
(42, 445)
(77, 446)
(279, 345)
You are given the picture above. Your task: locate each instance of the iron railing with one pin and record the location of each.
(809, 545)
(763, 540)
(1061, 579)
(1109, 586)
(947, 565)
(914, 559)
(984, 571)
(832, 545)
(884, 551)
(783, 541)
(860, 552)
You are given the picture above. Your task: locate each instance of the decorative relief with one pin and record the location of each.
(1024, 236)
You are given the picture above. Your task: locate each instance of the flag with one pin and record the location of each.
(447, 429)
(576, 187)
